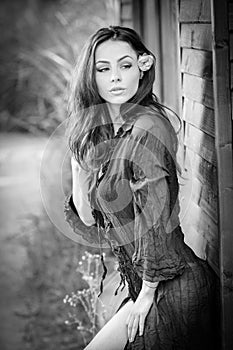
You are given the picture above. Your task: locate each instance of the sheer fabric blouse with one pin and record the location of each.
(134, 199)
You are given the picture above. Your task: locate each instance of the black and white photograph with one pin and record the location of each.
(116, 174)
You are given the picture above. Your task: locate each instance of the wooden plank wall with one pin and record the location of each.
(230, 23)
(222, 59)
(201, 220)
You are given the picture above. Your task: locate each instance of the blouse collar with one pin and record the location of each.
(126, 126)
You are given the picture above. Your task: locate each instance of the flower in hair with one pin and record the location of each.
(145, 62)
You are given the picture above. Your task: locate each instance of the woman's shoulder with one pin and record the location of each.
(150, 122)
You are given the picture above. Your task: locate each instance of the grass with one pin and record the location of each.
(51, 275)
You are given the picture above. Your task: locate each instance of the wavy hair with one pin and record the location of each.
(89, 121)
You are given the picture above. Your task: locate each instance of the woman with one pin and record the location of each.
(124, 174)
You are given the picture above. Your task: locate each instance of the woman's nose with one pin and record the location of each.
(116, 76)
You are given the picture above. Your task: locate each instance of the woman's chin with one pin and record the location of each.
(118, 100)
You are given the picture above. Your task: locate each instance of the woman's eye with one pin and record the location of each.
(126, 66)
(104, 69)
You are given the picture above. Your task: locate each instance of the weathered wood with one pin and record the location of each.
(170, 58)
(198, 89)
(231, 46)
(209, 229)
(206, 199)
(197, 36)
(201, 233)
(213, 257)
(230, 16)
(232, 108)
(195, 11)
(137, 6)
(200, 143)
(152, 37)
(197, 62)
(193, 239)
(223, 123)
(231, 66)
(209, 202)
(202, 169)
(200, 116)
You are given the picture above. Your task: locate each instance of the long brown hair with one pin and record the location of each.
(89, 121)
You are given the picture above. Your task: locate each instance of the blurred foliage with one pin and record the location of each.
(50, 274)
(39, 46)
(87, 300)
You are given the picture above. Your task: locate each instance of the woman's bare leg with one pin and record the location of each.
(113, 336)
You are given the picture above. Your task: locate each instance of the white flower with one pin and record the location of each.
(145, 62)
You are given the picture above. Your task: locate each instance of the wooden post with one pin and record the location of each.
(170, 54)
(223, 139)
(138, 16)
(152, 38)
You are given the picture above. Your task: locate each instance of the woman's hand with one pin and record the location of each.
(139, 311)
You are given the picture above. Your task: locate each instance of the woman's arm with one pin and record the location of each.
(155, 258)
(80, 186)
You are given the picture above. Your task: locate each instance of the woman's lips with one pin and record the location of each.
(117, 90)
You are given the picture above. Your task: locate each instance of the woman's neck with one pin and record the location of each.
(117, 120)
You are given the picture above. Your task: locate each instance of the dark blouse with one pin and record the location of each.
(136, 193)
(135, 205)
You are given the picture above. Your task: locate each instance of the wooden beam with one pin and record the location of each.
(170, 54)
(231, 16)
(198, 89)
(200, 143)
(205, 198)
(206, 172)
(231, 46)
(231, 66)
(137, 11)
(197, 62)
(152, 38)
(223, 123)
(201, 232)
(200, 116)
(195, 11)
(197, 36)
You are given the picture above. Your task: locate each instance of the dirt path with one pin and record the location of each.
(19, 192)
(37, 264)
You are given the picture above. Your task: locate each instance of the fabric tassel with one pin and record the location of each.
(122, 281)
(103, 275)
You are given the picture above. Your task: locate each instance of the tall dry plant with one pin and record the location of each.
(87, 299)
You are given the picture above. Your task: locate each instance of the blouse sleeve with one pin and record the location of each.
(156, 257)
(90, 234)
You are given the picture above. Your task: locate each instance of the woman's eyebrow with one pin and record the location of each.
(120, 59)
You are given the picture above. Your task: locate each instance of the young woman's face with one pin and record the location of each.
(116, 71)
